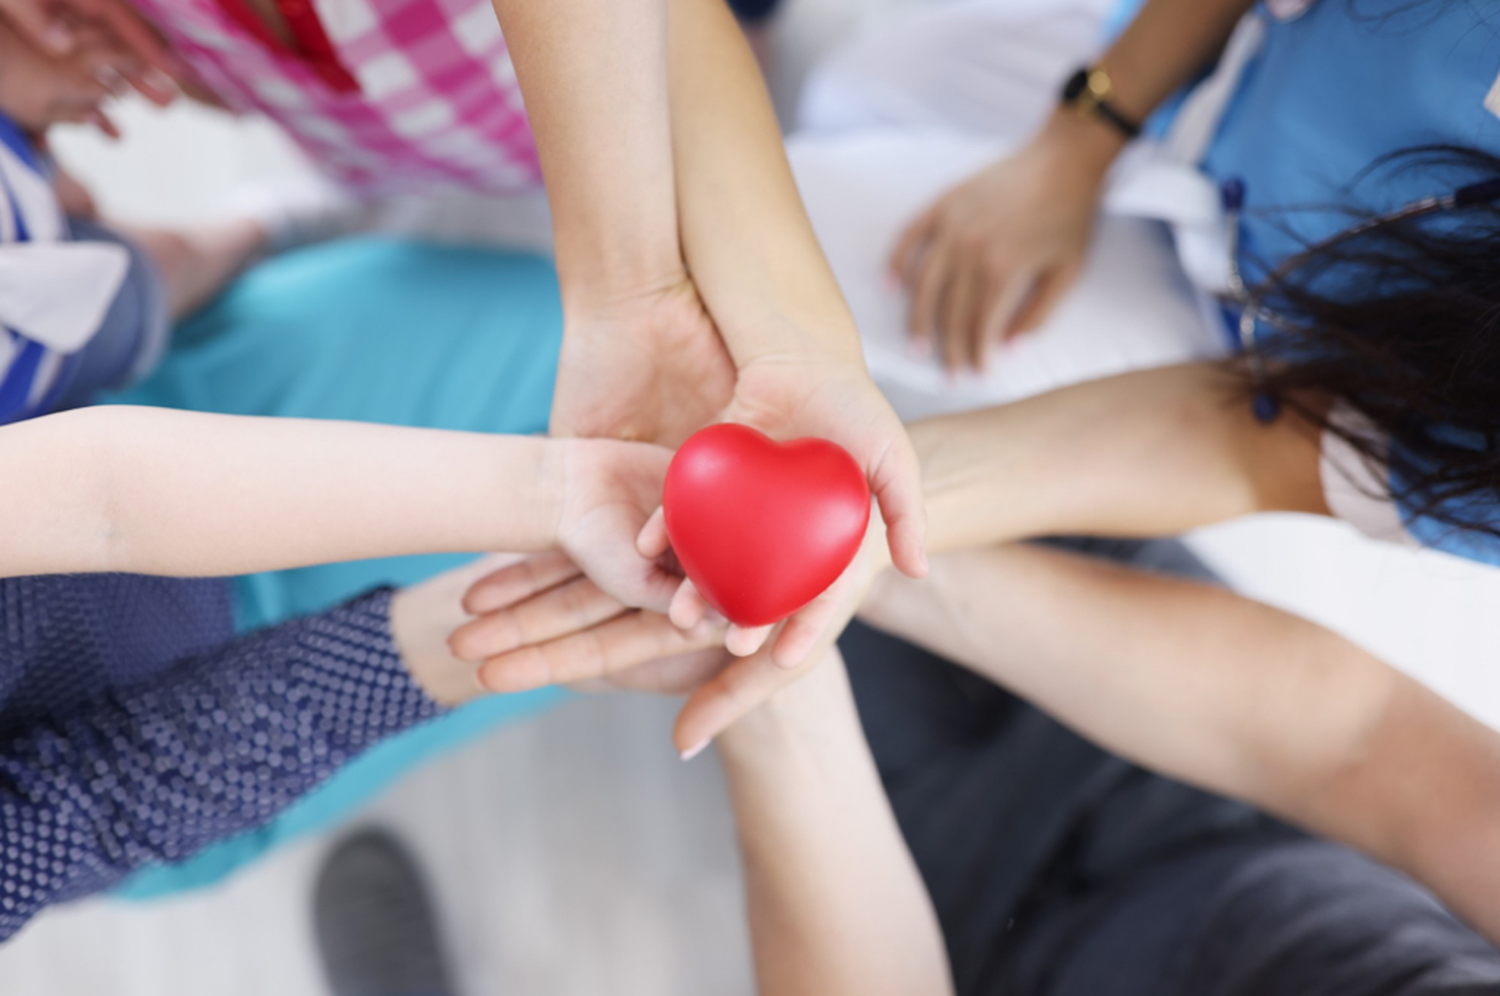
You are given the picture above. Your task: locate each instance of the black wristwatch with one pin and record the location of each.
(1088, 90)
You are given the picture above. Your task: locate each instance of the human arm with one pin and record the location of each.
(213, 745)
(641, 358)
(1230, 695)
(757, 264)
(836, 905)
(993, 255)
(154, 491)
(1150, 453)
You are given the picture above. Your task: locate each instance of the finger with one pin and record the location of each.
(1044, 299)
(152, 84)
(743, 641)
(896, 481)
(733, 692)
(1006, 301)
(688, 607)
(653, 541)
(135, 34)
(932, 277)
(569, 608)
(102, 121)
(675, 675)
(910, 245)
(800, 636)
(621, 643)
(957, 316)
(41, 26)
(518, 581)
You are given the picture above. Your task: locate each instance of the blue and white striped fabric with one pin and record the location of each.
(54, 293)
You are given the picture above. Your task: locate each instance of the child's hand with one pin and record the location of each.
(38, 90)
(608, 489)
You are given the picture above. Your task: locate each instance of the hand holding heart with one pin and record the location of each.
(763, 527)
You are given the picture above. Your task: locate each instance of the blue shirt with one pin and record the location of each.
(1329, 94)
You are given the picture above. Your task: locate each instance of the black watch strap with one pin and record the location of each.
(1088, 91)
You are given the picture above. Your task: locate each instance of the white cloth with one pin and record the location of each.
(923, 101)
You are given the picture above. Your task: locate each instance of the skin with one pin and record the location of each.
(154, 491)
(834, 900)
(66, 30)
(39, 88)
(1152, 453)
(1188, 679)
(991, 258)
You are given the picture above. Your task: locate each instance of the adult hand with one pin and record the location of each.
(64, 28)
(836, 400)
(541, 622)
(650, 368)
(656, 368)
(38, 89)
(991, 258)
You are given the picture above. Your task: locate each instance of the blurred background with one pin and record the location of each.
(575, 853)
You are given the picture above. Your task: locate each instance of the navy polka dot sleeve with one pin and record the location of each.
(155, 768)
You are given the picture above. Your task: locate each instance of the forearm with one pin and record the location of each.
(1163, 48)
(593, 74)
(836, 904)
(163, 492)
(1152, 453)
(745, 235)
(249, 728)
(1230, 695)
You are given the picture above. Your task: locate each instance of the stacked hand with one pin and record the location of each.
(657, 368)
(548, 624)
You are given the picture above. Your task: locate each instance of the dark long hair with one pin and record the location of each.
(1403, 323)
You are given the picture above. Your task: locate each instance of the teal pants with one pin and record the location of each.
(371, 330)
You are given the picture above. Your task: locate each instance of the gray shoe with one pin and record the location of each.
(375, 928)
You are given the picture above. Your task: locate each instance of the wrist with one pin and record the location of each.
(1078, 145)
(421, 619)
(810, 719)
(601, 289)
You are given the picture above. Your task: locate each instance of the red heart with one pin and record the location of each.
(763, 527)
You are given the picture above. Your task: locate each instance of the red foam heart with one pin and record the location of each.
(763, 527)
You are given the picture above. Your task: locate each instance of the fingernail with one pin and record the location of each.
(693, 752)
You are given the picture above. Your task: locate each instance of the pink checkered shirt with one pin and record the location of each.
(438, 103)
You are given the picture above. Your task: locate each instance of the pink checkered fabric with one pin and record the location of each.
(438, 104)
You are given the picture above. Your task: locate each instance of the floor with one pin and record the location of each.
(576, 854)
(573, 855)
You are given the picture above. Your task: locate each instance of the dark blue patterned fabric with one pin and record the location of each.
(135, 728)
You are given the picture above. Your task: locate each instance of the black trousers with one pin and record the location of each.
(1057, 868)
